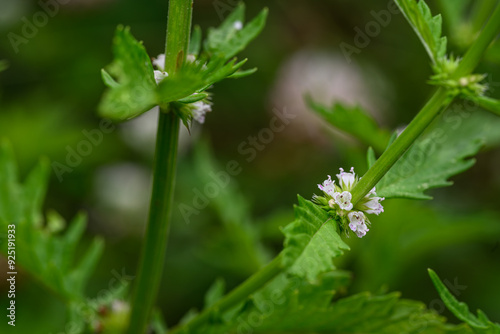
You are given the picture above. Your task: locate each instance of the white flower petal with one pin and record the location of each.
(159, 62)
(328, 186)
(199, 111)
(159, 76)
(346, 180)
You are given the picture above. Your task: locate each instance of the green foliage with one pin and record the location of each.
(427, 27)
(355, 121)
(236, 247)
(311, 242)
(134, 93)
(195, 77)
(228, 39)
(43, 250)
(480, 324)
(290, 304)
(441, 152)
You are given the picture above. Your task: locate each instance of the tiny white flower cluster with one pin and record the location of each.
(338, 197)
(199, 108)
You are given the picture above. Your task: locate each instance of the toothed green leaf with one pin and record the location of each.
(427, 27)
(355, 121)
(311, 242)
(480, 324)
(289, 304)
(45, 251)
(134, 92)
(444, 150)
(232, 36)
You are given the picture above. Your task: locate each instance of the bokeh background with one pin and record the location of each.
(49, 96)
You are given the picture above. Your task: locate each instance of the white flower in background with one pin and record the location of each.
(159, 62)
(338, 197)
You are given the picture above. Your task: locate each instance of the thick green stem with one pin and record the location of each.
(439, 101)
(236, 296)
(164, 170)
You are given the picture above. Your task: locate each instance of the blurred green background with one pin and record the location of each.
(49, 95)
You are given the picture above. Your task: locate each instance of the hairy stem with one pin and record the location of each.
(164, 170)
(233, 298)
(438, 102)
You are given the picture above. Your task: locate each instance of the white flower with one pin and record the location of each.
(357, 223)
(328, 186)
(238, 25)
(346, 180)
(343, 200)
(339, 198)
(199, 111)
(373, 205)
(159, 76)
(199, 108)
(159, 62)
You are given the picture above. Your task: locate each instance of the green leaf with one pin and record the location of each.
(289, 304)
(194, 77)
(355, 121)
(442, 151)
(44, 251)
(480, 324)
(231, 37)
(427, 27)
(108, 79)
(215, 292)
(243, 73)
(158, 323)
(193, 98)
(311, 242)
(133, 91)
(195, 42)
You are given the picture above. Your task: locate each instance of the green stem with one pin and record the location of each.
(233, 298)
(164, 170)
(439, 101)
